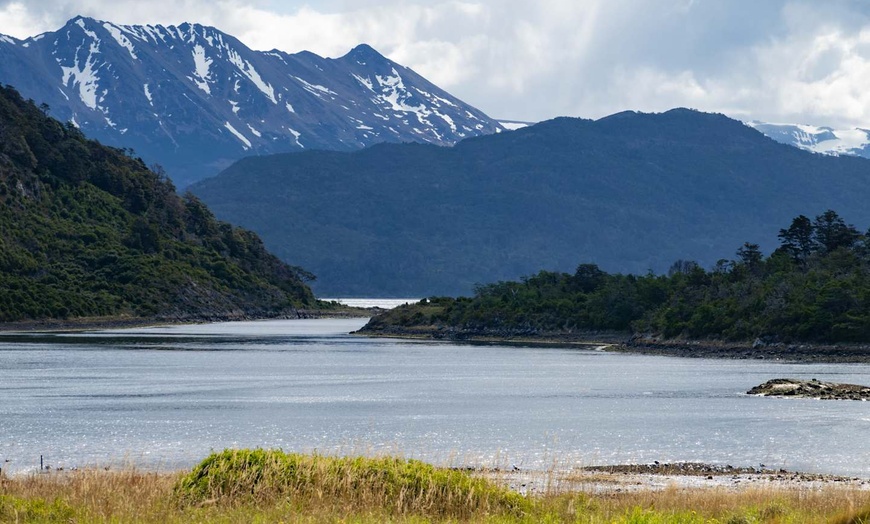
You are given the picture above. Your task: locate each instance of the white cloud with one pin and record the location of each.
(783, 60)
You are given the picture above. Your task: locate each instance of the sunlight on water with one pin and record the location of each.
(164, 397)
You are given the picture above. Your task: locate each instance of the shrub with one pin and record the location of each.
(391, 485)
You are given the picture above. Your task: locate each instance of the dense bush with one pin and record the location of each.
(354, 483)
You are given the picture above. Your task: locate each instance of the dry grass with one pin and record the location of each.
(761, 505)
(87, 496)
(322, 489)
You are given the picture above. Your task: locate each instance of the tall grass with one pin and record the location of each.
(271, 486)
(391, 485)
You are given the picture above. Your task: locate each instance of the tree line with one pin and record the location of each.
(814, 287)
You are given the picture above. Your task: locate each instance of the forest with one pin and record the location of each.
(814, 287)
(89, 231)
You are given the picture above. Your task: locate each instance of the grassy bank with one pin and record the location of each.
(268, 486)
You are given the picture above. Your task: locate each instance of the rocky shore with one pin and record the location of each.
(787, 387)
(627, 343)
(756, 350)
(493, 336)
(635, 478)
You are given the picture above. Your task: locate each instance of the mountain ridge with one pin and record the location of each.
(818, 139)
(195, 99)
(631, 193)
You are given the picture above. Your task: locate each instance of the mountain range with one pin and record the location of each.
(195, 99)
(631, 192)
(826, 140)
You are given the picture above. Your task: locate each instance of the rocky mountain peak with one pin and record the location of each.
(195, 99)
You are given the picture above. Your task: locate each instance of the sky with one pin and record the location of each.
(795, 61)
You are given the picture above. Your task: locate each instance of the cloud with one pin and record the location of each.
(778, 60)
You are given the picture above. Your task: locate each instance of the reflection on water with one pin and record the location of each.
(164, 397)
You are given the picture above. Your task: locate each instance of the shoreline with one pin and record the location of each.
(596, 480)
(627, 343)
(611, 480)
(125, 322)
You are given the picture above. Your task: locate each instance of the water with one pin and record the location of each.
(163, 398)
(383, 303)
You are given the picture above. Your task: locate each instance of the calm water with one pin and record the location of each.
(164, 397)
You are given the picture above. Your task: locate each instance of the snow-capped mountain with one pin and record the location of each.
(195, 99)
(824, 140)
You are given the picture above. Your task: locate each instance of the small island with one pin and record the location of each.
(789, 387)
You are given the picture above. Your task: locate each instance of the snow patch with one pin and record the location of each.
(365, 127)
(80, 23)
(238, 135)
(296, 135)
(365, 81)
(290, 107)
(201, 64)
(248, 70)
(438, 98)
(6, 39)
(122, 40)
(148, 94)
(315, 89)
(235, 106)
(84, 75)
(254, 131)
(447, 119)
(152, 32)
(63, 94)
(394, 93)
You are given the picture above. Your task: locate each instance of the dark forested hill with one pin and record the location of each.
(631, 192)
(86, 230)
(815, 287)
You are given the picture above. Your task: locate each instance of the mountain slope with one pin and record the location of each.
(630, 192)
(87, 231)
(195, 99)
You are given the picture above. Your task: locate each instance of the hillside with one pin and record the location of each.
(195, 99)
(631, 192)
(86, 231)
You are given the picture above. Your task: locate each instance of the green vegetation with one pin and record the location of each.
(270, 486)
(815, 287)
(388, 485)
(87, 231)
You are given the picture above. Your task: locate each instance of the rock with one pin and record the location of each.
(788, 387)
